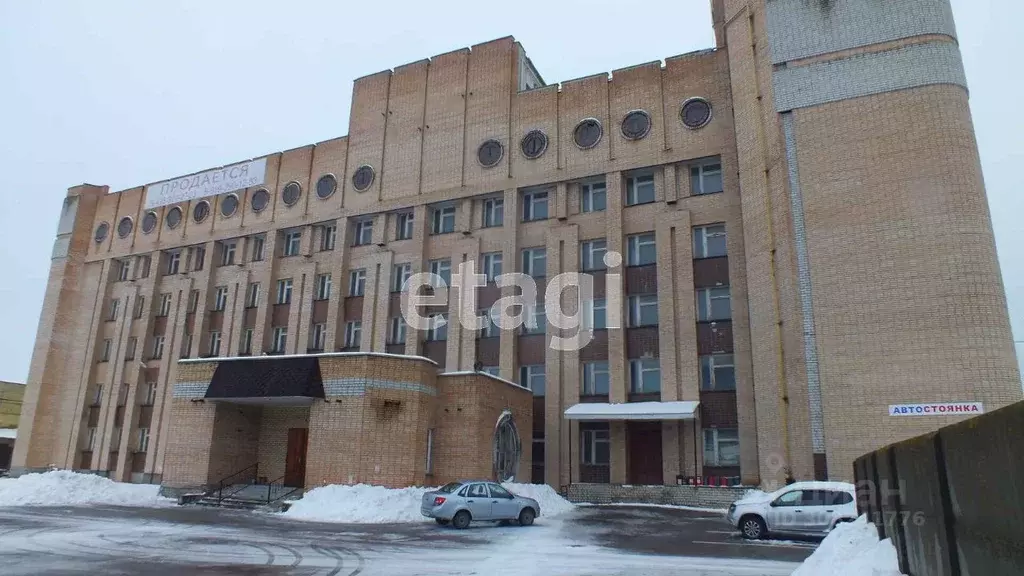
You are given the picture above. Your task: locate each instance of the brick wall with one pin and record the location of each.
(699, 496)
(273, 439)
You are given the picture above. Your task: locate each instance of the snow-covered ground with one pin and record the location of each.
(852, 549)
(365, 504)
(66, 488)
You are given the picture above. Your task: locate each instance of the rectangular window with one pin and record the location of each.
(105, 350)
(400, 274)
(717, 372)
(403, 226)
(713, 304)
(492, 370)
(644, 375)
(97, 395)
(257, 243)
(430, 451)
(123, 270)
(318, 337)
(292, 243)
(492, 265)
(90, 439)
(442, 270)
(642, 249)
(151, 389)
(143, 439)
(145, 262)
(198, 257)
(396, 331)
(252, 295)
(721, 447)
(596, 449)
(643, 310)
(494, 212)
(158, 347)
(284, 291)
(709, 241)
(535, 262)
(193, 301)
(129, 349)
(595, 314)
(596, 379)
(140, 307)
(220, 299)
(438, 328)
(535, 206)
(532, 376)
(328, 237)
(593, 197)
(227, 253)
(280, 339)
(246, 344)
(165, 305)
(536, 319)
(706, 178)
(357, 282)
(490, 329)
(122, 395)
(214, 343)
(353, 334)
(186, 346)
(112, 309)
(442, 219)
(592, 254)
(173, 260)
(363, 232)
(323, 287)
(639, 189)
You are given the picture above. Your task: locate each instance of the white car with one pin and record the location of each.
(804, 508)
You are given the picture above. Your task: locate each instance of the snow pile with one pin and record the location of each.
(852, 549)
(66, 488)
(366, 504)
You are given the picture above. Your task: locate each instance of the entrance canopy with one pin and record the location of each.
(633, 411)
(283, 380)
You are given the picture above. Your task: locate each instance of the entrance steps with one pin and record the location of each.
(245, 497)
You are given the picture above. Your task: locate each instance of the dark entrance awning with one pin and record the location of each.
(266, 377)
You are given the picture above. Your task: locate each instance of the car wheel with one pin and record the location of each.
(753, 527)
(461, 520)
(526, 517)
(442, 521)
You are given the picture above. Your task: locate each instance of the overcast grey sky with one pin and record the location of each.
(124, 93)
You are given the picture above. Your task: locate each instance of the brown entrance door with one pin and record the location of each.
(645, 453)
(295, 459)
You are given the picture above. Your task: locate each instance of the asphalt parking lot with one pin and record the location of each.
(177, 540)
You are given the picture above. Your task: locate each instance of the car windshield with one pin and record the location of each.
(449, 487)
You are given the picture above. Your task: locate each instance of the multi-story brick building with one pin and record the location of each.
(800, 209)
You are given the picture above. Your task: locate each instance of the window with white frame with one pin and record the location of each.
(593, 197)
(706, 177)
(252, 295)
(442, 271)
(284, 291)
(198, 257)
(592, 254)
(140, 307)
(396, 330)
(97, 395)
(123, 270)
(246, 345)
(214, 343)
(492, 265)
(173, 260)
(535, 205)
(492, 370)
(717, 372)
(438, 329)
(403, 226)
(112, 308)
(193, 301)
(143, 438)
(713, 304)
(721, 447)
(400, 274)
(493, 212)
(357, 282)
(151, 388)
(129, 348)
(323, 287)
(318, 337)
(596, 378)
(257, 243)
(186, 346)
(596, 449)
(644, 375)
(220, 298)
(537, 319)
(709, 241)
(158, 347)
(328, 237)
(105, 350)
(115, 438)
(532, 376)
(643, 310)
(227, 253)
(639, 189)
(280, 336)
(144, 264)
(90, 439)
(292, 242)
(642, 249)
(490, 329)
(353, 334)
(595, 314)
(442, 219)
(535, 262)
(362, 232)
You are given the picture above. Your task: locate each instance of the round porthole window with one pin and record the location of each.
(508, 448)
(201, 211)
(326, 186)
(149, 222)
(101, 232)
(363, 177)
(260, 199)
(124, 227)
(636, 124)
(587, 133)
(228, 205)
(534, 144)
(291, 193)
(173, 218)
(695, 113)
(490, 153)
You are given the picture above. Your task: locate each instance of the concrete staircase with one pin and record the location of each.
(245, 497)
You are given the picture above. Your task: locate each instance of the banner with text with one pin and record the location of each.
(209, 183)
(937, 409)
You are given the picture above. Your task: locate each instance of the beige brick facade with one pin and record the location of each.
(859, 260)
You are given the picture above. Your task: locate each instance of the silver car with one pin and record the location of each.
(459, 503)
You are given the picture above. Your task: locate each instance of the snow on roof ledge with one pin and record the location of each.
(11, 433)
(320, 355)
(491, 376)
(633, 411)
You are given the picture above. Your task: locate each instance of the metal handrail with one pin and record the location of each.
(270, 490)
(220, 485)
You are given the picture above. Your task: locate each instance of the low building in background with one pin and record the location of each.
(11, 396)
